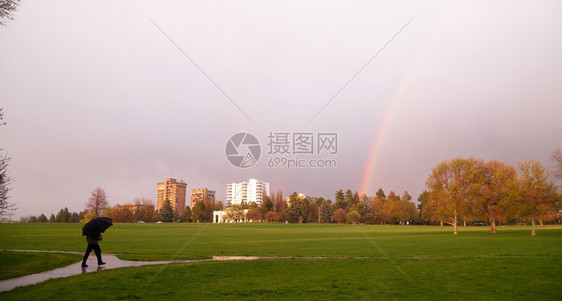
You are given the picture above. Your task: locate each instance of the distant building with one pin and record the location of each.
(246, 192)
(174, 191)
(202, 195)
(219, 216)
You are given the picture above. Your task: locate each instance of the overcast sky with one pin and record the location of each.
(123, 94)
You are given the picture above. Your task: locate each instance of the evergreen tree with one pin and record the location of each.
(304, 204)
(312, 212)
(340, 200)
(65, 218)
(267, 205)
(167, 213)
(380, 194)
(422, 199)
(42, 218)
(58, 219)
(293, 213)
(355, 198)
(74, 217)
(348, 199)
(198, 212)
(298, 210)
(187, 215)
(325, 213)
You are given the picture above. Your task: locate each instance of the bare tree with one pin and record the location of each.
(6, 208)
(97, 203)
(557, 158)
(278, 203)
(7, 7)
(2, 113)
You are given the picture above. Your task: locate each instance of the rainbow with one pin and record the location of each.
(381, 133)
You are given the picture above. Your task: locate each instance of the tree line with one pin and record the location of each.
(348, 207)
(459, 191)
(469, 189)
(63, 216)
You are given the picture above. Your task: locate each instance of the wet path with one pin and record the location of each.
(112, 262)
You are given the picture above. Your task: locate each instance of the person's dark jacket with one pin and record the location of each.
(94, 239)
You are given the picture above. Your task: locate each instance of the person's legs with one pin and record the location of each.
(88, 250)
(97, 250)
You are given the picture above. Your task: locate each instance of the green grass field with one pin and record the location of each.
(401, 262)
(16, 264)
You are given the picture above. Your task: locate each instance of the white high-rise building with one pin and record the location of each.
(246, 192)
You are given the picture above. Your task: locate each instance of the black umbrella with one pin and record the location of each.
(96, 226)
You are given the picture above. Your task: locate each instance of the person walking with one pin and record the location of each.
(93, 230)
(93, 244)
